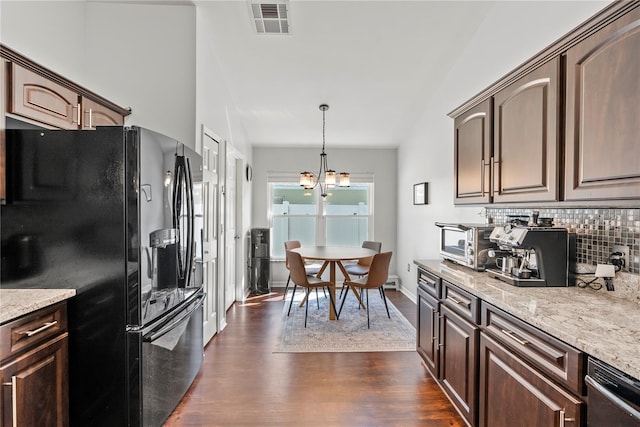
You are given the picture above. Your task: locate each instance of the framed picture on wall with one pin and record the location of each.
(420, 193)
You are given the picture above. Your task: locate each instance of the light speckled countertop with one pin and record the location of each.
(604, 326)
(17, 302)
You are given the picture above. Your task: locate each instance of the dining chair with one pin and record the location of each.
(361, 268)
(311, 269)
(300, 278)
(376, 278)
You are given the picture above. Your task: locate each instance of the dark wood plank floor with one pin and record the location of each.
(243, 383)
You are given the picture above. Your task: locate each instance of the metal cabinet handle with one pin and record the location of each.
(40, 329)
(495, 166)
(13, 397)
(78, 114)
(564, 420)
(434, 327)
(511, 335)
(482, 164)
(455, 300)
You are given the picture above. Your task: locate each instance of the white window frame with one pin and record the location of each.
(321, 215)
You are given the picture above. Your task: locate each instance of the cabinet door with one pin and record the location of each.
(34, 387)
(427, 332)
(526, 138)
(94, 114)
(458, 362)
(472, 154)
(40, 99)
(513, 393)
(603, 113)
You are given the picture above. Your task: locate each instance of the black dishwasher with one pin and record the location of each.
(614, 397)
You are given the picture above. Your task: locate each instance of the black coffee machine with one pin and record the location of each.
(534, 256)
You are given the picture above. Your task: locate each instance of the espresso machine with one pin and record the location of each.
(534, 256)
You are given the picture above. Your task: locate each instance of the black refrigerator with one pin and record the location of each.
(116, 214)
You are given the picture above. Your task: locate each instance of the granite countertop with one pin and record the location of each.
(17, 302)
(604, 326)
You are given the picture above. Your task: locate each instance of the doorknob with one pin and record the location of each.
(236, 237)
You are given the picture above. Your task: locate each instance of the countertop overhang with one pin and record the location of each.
(601, 325)
(18, 302)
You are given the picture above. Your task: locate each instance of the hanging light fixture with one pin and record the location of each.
(309, 180)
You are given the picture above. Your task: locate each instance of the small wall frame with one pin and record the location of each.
(421, 193)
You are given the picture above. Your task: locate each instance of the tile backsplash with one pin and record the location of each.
(597, 230)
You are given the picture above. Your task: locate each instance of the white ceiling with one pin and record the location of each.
(373, 62)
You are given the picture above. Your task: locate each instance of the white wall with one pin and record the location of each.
(216, 110)
(143, 57)
(50, 33)
(139, 56)
(510, 34)
(382, 163)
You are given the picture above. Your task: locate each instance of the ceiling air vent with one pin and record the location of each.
(270, 16)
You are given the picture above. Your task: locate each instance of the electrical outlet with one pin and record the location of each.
(624, 250)
(408, 267)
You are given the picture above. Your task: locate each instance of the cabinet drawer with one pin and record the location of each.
(429, 282)
(462, 302)
(31, 329)
(553, 357)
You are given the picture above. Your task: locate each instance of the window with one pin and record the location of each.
(343, 218)
(346, 212)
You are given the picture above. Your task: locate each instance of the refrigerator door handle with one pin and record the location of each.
(174, 324)
(189, 262)
(177, 208)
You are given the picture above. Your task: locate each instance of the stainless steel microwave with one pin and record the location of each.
(467, 244)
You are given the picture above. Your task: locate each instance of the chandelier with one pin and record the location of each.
(309, 180)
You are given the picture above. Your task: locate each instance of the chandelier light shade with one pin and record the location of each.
(309, 180)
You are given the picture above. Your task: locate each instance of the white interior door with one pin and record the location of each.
(210, 149)
(231, 237)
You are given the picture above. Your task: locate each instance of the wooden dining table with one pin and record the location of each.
(333, 256)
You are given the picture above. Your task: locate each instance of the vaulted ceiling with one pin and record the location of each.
(374, 62)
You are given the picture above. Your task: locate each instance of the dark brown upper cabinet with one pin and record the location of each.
(36, 94)
(603, 113)
(472, 155)
(526, 138)
(94, 114)
(37, 98)
(563, 126)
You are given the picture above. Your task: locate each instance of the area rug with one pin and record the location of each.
(349, 333)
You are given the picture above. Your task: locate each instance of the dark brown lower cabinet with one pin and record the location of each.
(459, 361)
(427, 332)
(34, 390)
(514, 393)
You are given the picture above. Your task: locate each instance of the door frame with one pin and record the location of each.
(241, 289)
(221, 315)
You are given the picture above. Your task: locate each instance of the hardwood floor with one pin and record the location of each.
(243, 383)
